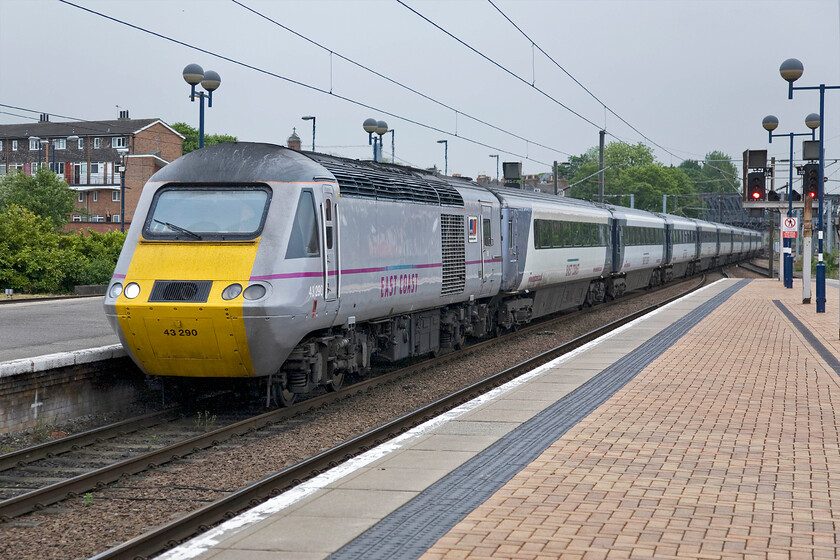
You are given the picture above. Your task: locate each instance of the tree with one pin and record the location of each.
(30, 258)
(631, 169)
(720, 175)
(44, 194)
(191, 137)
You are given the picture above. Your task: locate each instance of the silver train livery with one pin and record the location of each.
(255, 261)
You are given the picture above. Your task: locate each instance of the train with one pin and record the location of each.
(295, 269)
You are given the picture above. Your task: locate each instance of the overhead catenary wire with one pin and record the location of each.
(498, 65)
(299, 83)
(76, 124)
(395, 82)
(595, 97)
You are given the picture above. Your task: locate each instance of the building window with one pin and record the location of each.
(96, 196)
(57, 167)
(81, 143)
(97, 218)
(33, 167)
(1, 144)
(119, 142)
(115, 196)
(77, 218)
(81, 197)
(60, 143)
(14, 145)
(96, 143)
(115, 218)
(33, 143)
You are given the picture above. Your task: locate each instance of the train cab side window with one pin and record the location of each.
(328, 218)
(303, 240)
(488, 237)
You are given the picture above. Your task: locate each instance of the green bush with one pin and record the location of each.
(830, 260)
(34, 258)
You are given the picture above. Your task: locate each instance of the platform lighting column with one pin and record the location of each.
(497, 166)
(770, 123)
(372, 126)
(210, 81)
(311, 118)
(445, 155)
(381, 130)
(791, 70)
(122, 152)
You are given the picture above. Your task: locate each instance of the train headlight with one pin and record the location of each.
(254, 291)
(115, 290)
(132, 291)
(232, 291)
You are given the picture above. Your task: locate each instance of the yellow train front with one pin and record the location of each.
(192, 294)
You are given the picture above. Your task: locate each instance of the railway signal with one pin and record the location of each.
(756, 190)
(811, 179)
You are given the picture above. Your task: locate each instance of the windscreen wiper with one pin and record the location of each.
(178, 228)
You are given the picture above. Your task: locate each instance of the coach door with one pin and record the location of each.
(329, 217)
(490, 248)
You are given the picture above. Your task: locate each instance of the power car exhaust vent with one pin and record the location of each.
(178, 290)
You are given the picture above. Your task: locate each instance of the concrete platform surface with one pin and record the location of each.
(37, 328)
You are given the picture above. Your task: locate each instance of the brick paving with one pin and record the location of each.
(726, 446)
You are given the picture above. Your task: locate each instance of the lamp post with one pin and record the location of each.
(497, 166)
(393, 157)
(791, 70)
(372, 126)
(445, 155)
(122, 152)
(210, 81)
(381, 129)
(770, 123)
(309, 118)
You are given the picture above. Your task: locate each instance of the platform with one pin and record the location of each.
(37, 328)
(705, 430)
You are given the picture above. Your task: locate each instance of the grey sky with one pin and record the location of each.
(691, 75)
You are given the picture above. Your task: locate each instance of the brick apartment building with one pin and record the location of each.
(88, 155)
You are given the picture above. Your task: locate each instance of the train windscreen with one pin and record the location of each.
(181, 212)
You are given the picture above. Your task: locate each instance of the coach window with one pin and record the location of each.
(303, 241)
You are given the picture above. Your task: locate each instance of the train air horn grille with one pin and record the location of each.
(184, 291)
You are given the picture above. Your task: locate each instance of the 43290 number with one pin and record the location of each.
(180, 332)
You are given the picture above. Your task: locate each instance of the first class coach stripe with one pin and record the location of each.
(319, 274)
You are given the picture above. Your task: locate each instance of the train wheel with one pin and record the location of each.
(336, 380)
(283, 397)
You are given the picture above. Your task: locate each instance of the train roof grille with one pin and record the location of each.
(370, 180)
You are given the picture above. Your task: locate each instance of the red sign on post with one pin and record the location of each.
(789, 228)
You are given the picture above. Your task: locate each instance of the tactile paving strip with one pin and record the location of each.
(824, 352)
(416, 526)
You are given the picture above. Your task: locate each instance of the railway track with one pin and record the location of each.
(166, 536)
(755, 268)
